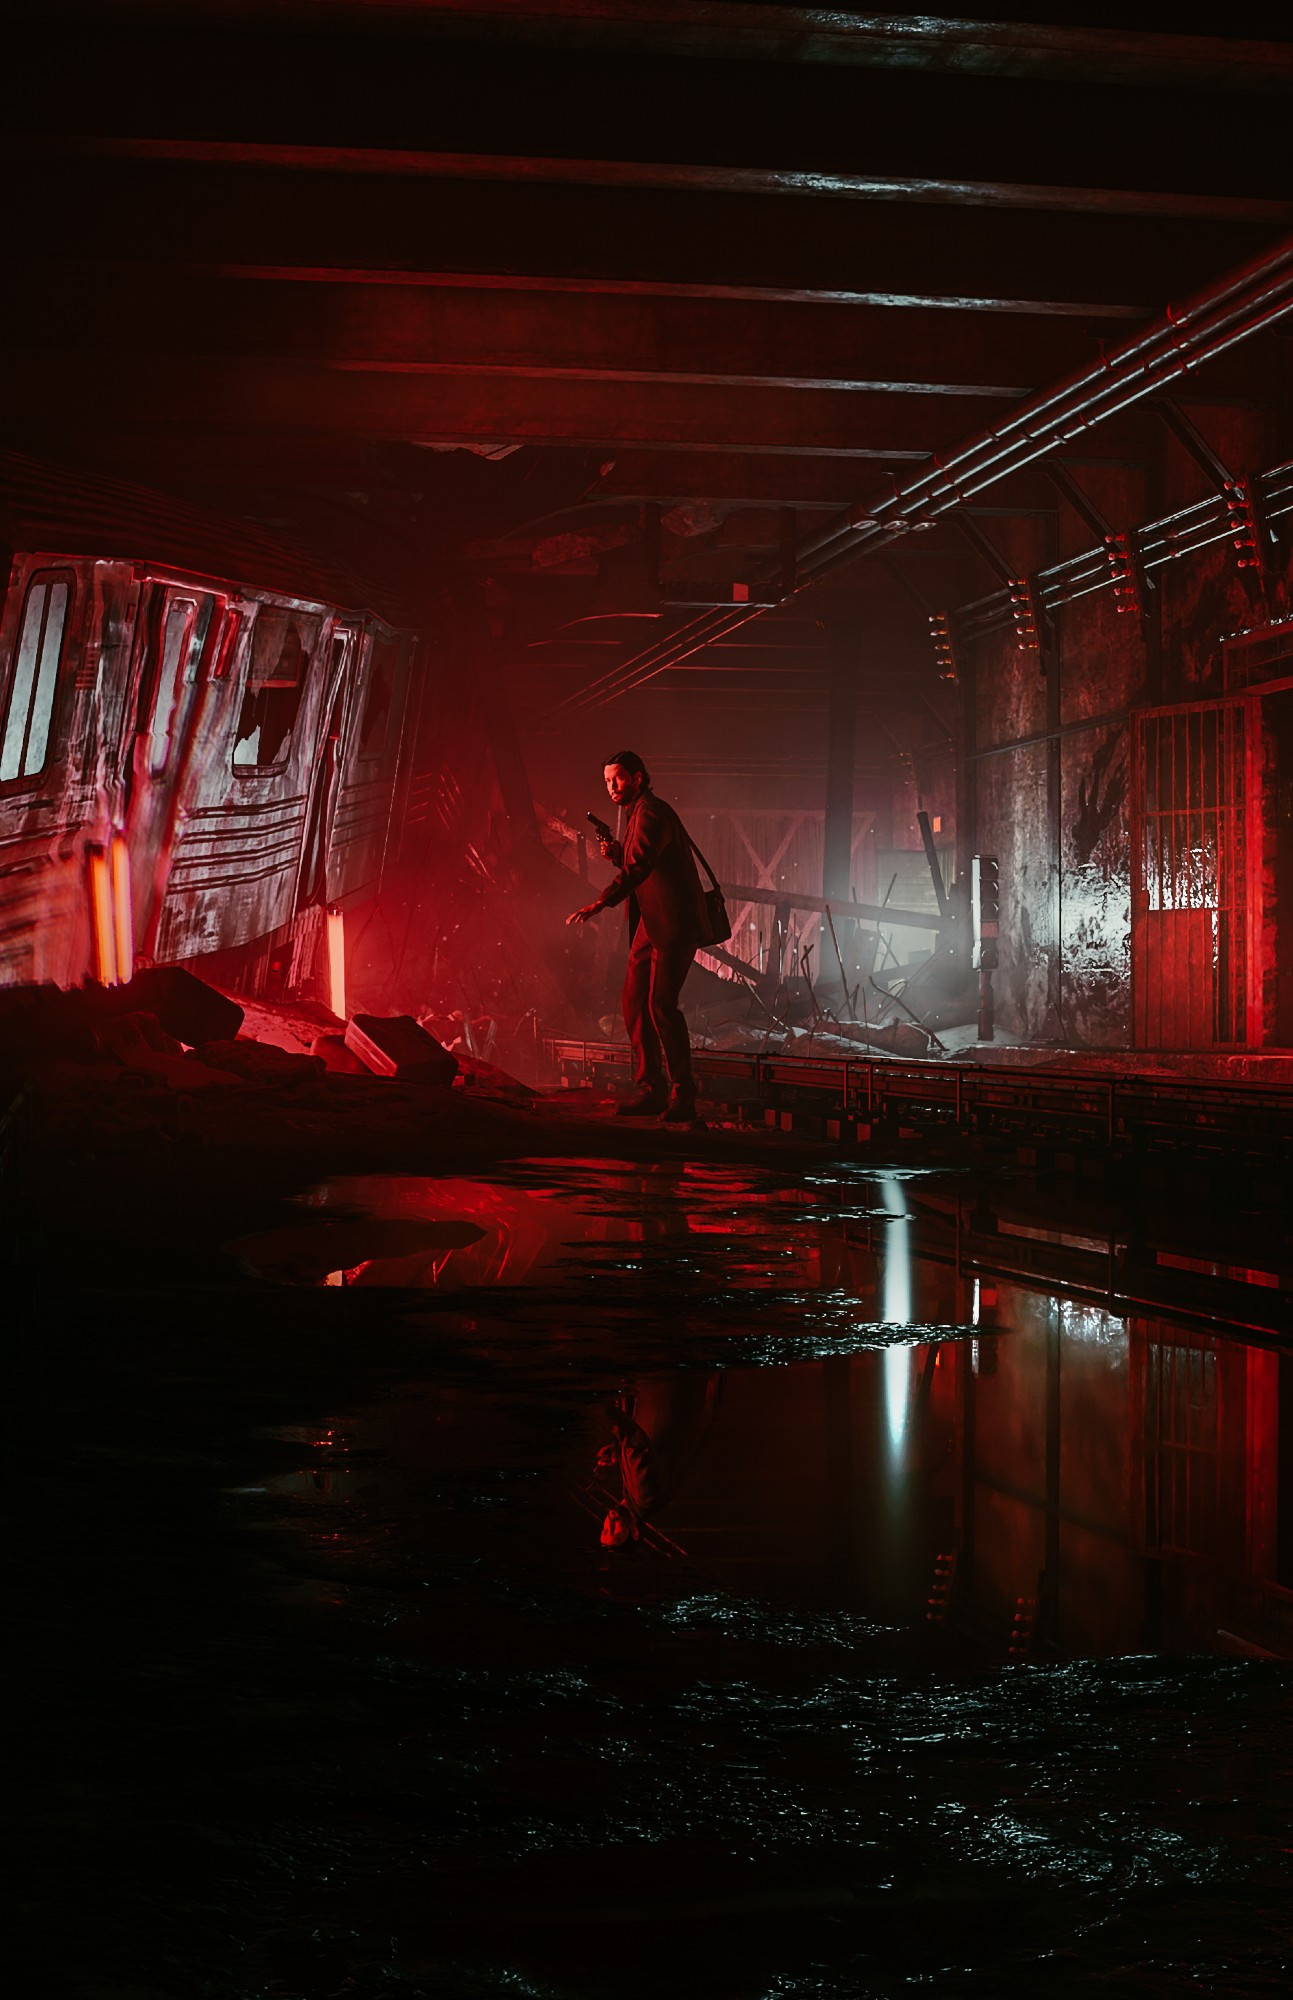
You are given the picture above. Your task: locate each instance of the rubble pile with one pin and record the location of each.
(161, 1073)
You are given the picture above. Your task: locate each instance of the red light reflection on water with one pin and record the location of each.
(529, 1231)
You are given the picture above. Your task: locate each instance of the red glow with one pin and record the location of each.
(105, 949)
(123, 923)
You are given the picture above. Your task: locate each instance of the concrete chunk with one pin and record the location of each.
(184, 1005)
(395, 1045)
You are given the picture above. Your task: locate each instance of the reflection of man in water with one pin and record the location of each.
(667, 921)
(655, 1434)
(629, 1455)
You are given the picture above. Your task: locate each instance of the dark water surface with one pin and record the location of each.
(340, 1692)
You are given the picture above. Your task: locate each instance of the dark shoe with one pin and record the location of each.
(647, 1104)
(681, 1108)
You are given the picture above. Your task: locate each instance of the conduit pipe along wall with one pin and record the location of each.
(1243, 303)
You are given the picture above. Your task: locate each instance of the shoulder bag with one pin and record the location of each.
(719, 925)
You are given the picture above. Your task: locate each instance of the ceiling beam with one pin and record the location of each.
(760, 343)
(313, 79)
(257, 216)
(785, 35)
(409, 163)
(235, 463)
(181, 273)
(42, 394)
(1234, 308)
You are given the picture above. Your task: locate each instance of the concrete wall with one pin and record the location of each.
(1048, 754)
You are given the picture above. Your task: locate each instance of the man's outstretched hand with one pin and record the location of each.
(582, 916)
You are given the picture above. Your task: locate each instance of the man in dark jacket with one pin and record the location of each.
(667, 920)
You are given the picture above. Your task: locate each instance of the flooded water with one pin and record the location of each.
(615, 1578)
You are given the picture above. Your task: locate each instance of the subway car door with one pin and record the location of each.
(368, 770)
(325, 782)
(180, 628)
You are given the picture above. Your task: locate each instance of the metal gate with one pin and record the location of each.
(1192, 898)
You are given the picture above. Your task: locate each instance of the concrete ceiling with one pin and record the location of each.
(611, 302)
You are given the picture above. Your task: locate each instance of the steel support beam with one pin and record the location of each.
(672, 176)
(1188, 434)
(786, 36)
(841, 752)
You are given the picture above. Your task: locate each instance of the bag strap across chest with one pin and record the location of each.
(714, 882)
(704, 864)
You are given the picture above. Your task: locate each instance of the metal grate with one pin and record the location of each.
(1190, 902)
(1259, 657)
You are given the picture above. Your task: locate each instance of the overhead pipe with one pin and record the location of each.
(1181, 533)
(1241, 304)
(697, 632)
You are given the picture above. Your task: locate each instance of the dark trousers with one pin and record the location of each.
(657, 1030)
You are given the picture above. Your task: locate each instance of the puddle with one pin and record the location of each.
(1074, 1484)
(558, 1223)
(739, 1383)
(682, 1577)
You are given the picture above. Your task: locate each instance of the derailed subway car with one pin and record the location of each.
(202, 739)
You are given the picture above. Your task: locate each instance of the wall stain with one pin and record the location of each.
(1100, 796)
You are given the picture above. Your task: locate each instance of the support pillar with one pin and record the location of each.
(841, 749)
(837, 832)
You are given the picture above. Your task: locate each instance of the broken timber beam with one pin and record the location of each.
(878, 913)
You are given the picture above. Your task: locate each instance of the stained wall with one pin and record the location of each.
(1049, 738)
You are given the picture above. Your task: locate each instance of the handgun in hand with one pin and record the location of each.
(600, 828)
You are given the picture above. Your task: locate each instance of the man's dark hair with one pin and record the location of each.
(628, 760)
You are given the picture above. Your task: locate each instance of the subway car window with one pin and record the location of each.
(377, 701)
(183, 637)
(280, 661)
(30, 707)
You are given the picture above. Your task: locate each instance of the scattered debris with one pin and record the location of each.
(332, 1052)
(184, 1005)
(129, 1035)
(258, 1062)
(489, 1080)
(398, 1046)
(163, 1008)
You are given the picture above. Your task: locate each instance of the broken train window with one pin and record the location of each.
(184, 634)
(282, 645)
(29, 711)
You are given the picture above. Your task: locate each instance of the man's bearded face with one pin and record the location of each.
(622, 785)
